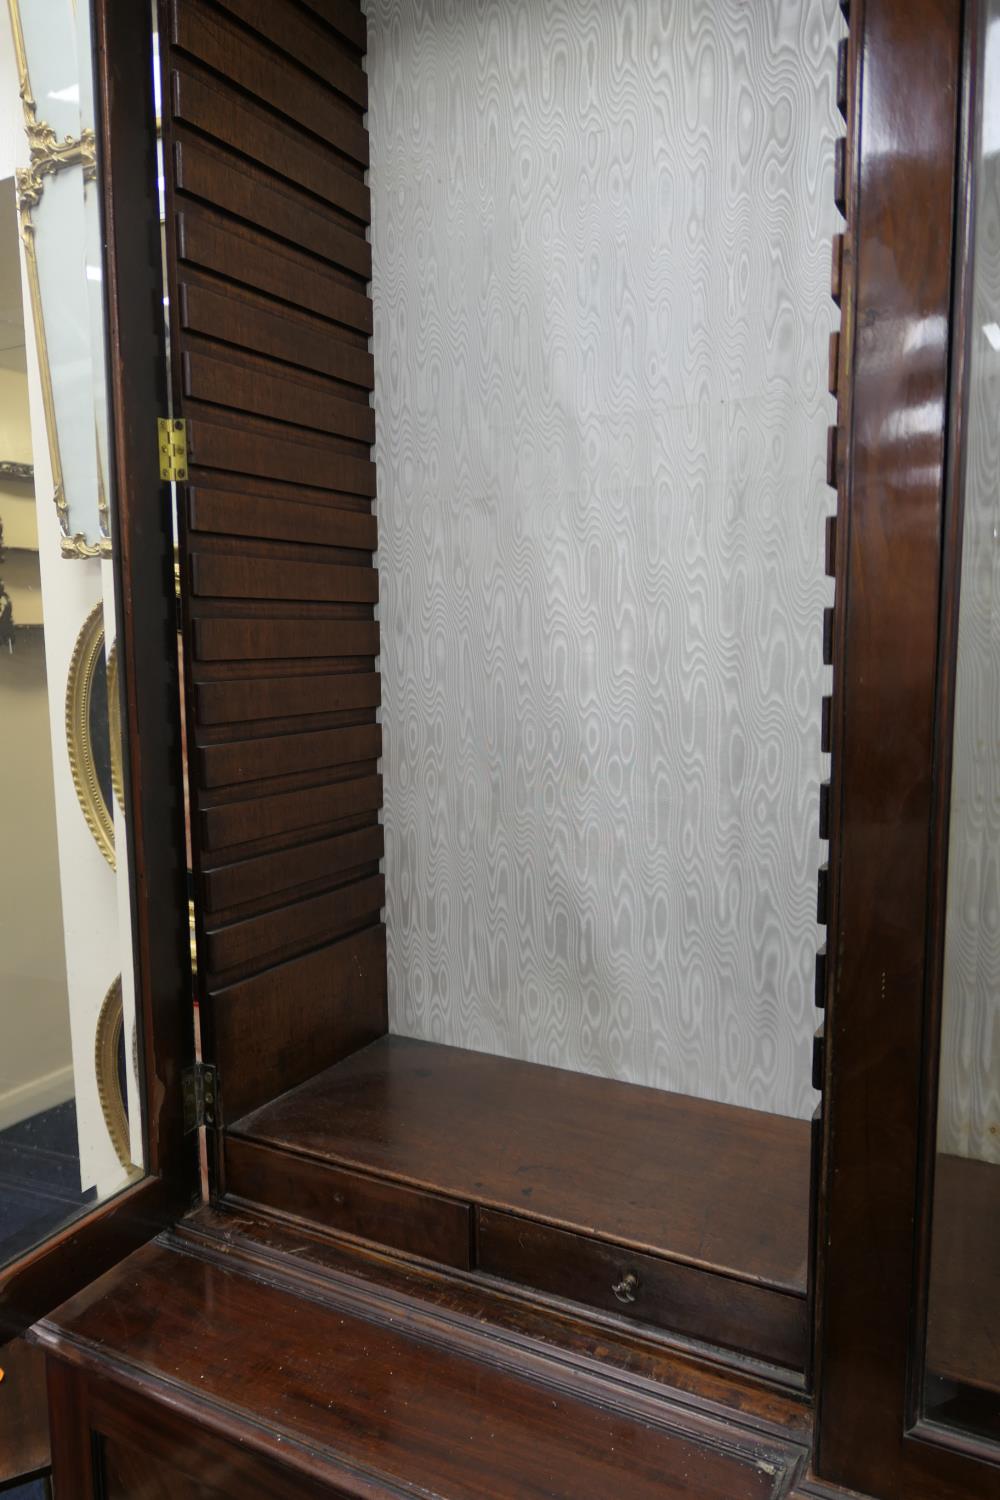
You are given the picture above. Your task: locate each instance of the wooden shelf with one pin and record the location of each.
(561, 1180)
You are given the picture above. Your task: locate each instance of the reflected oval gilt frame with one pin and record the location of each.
(109, 1053)
(88, 657)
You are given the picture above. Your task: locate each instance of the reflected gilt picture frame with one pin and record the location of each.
(109, 1069)
(89, 731)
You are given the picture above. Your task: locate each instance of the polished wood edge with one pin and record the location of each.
(61, 1266)
(905, 71)
(144, 581)
(72, 1452)
(811, 1488)
(107, 1376)
(459, 1304)
(959, 1441)
(951, 576)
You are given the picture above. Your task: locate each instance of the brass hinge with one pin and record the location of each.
(171, 435)
(199, 1087)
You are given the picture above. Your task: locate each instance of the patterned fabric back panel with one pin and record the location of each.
(601, 240)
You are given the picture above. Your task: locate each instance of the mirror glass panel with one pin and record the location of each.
(70, 1117)
(963, 1331)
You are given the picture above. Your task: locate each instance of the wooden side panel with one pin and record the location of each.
(265, 153)
(117, 1443)
(24, 1412)
(306, 1013)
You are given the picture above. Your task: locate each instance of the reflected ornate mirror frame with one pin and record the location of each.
(88, 658)
(108, 1067)
(50, 155)
(115, 729)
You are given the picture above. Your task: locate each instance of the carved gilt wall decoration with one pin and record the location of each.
(88, 732)
(110, 1070)
(56, 220)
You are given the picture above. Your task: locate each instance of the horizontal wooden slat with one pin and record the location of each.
(837, 268)
(416, 1222)
(222, 179)
(345, 16)
(302, 459)
(831, 546)
(245, 256)
(254, 66)
(263, 817)
(267, 875)
(260, 640)
(244, 700)
(280, 1027)
(301, 924)
(233, 513)
(232, 576)
(231, 119)
(308, 43)
(278, 395)
(239, 317)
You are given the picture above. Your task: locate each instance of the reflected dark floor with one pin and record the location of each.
(39, 1178)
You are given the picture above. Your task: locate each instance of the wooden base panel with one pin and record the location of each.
(230, 1384)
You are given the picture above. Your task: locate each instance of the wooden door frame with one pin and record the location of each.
(146, 610)
(902, 343)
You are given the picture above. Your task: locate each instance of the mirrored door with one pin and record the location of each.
(71, 1130)
(962, 1372)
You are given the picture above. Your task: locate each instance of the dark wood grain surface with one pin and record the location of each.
(717, 1186)
(265, 149)
(623, 1355)
(685, 1300)
(371, 1208)
(275, 1028)
(377, 1411)
(896, 281)
(963, 1308)
(24, 1411)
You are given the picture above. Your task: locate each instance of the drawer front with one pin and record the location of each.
(351, 1203)
(682, 1299)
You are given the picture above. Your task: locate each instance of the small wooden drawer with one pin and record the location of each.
(763, 1322)
(388, 1213)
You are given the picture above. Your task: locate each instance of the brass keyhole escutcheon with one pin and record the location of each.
(627, 1289)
